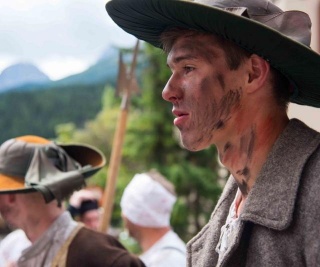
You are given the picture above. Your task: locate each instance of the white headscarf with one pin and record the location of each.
(146, 202)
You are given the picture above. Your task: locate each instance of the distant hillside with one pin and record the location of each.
(21, 74)
(104, 70)
(31, 109)
(38, 112)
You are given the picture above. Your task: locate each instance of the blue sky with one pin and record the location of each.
(61, 37)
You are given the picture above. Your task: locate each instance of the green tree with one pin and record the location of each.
(39, 111)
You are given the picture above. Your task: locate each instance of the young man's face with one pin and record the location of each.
(204, 92)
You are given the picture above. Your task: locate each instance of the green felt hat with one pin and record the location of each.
(260, 27)
(32, 163)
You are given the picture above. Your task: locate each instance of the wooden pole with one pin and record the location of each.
(116, 153)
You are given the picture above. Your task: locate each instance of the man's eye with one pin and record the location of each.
(188, 68)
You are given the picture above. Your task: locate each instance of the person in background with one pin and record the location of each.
(146, 206)
(84, 204)
(36, 175)
(235, 66)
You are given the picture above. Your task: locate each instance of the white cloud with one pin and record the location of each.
(57, 67)
(33, 31)
(6, 61)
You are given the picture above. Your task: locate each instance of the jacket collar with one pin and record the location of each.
(280, 176)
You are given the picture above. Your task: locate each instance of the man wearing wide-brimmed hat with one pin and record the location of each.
(235, 67)
(35, 176)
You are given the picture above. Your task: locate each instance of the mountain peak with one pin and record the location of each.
(21, 74)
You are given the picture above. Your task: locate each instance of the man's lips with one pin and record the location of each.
(181, 117)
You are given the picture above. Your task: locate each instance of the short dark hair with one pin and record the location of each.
(235, 56)
(281, 87)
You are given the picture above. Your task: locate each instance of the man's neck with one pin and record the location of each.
(149, 236)
(246, 151)
(36, 225)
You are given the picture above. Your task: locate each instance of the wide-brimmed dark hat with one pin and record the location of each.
(32, 163)
(282, 38)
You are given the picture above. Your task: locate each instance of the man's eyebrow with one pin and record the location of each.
(194, 53)
(177, 59)
(184, 57)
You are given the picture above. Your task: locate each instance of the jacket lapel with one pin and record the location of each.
(279, 179)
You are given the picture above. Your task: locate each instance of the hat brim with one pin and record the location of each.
(87, 156)
(11, 184)
(147, 19)
(83, 154)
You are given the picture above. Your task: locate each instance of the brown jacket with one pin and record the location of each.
(92, 249)
(280, 222)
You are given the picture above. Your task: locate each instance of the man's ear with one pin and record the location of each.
(258, 73)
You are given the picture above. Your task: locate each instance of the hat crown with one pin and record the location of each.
(255, 7)
(294, 24)
(32, 163)
(16, 156)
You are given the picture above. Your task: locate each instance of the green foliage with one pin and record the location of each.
(38, 112)
(99, 131)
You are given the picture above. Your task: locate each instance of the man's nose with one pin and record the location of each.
(171, 91)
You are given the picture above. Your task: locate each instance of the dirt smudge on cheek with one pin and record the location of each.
(220, 111)
(231, 100)
(220, 79)
(227, 146)
(209, 102)
(228, 102)
(206, 87)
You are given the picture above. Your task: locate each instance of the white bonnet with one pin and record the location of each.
(146, 202)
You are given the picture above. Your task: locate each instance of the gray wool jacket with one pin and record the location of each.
(280, 221)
